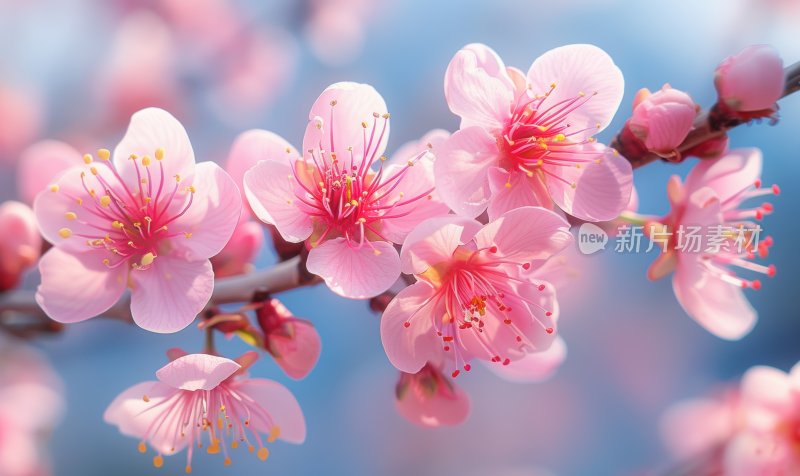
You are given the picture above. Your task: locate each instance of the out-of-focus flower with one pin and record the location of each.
(752, 80)
(21, 114)
(148, 218)
(336, 29)
(30, 405)
(141, 69)
(662, 120)
(348, 213)
(528, 140)
(20, 242)
(704, 281)
(204, 27)
(471, 298)
(203, 397)
(238, 255)
(693, 427)
(40, 164)
(430, 399)
(294, 343)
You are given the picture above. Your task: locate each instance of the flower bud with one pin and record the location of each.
(20, 242)
(753, 80)
(293, 343)
(662, 120)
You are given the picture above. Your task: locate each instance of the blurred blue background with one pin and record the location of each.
(632, 350)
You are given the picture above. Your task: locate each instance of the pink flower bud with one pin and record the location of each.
(662, 120)
(429, 399)
(294, 343)
(20, 243)
(752, 80)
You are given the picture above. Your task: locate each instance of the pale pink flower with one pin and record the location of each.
(336, 29)
(693, 427)
(662, 120)
(40, 164)
(241, 250)
(148, 219)
(349, 213)
(20, 242)
(293, 342)
(21, 114)
(204, 400)
(528, 140)
(430, 399)
(752, 80)
(472, 299)
(31, 404)
(704, 281)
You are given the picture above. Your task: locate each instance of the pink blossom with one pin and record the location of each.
(148, 219)
(20, 243)
(704, 281)
(349, 213)
(693, 427)
(472, 298)
(21, 113)
(662, 120)
(336, 29)
(30, 406)
(203, 397)
(41, 163)
(528, 139)
(430, 399)
(294, 343)
(752, 80)
(241, 250)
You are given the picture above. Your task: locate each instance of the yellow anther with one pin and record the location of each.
(363, 124)
(213, 448)
(54, 188)
(142, 447)
(159, 154)
(508, 184)
(147, 259)
(581, 94)
(559, 137)
(263, 454)
(234, 444)
(188, 469)
(386, 116)
(117, 224)
(540, 162)
(146, 160)
(227, 461)
(104, 154)
(187, 234)
(70, 215)
(573, 185)
(333, 103)
(79, 201)
(87, 158)
(107, 262)
(553, 85)
(92, 192)
(65, 233)
(93, 170)
(599, 126)
(288, 150)
(133, 157)
(105, 200)
(178, 177)
(354, 203)
(191, 189)
(410, 163)
(577, 166)
(158, 461)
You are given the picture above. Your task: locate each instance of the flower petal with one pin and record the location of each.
(462, 168)
(525, 234)
(78, 286)
(430, 142)
(514, 189)
(727, 176)
(213, 215)
(149, 130)
(579, 69)
(197, 372)
(601, 189)
(298, 353)
(447, 407)
(353, 271)
(750, 453)
(692, 427)
(478, 88)
(169, 295)
(434, 241)
(410, 348)
(270, 190)
(533, 367)
(41, 163)
(281, 405)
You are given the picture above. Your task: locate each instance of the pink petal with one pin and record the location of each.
(197, 372)
(447, 407)
(718, 306)
(478, 88)
(168, 296)
(692, 427)
(417, 181)
(534, 367)
(241, 250)
(41, 163)
(750, 454)
(462, 169)
(579, 69)
(78, 286)
(430, 142)
(728, 175)
(519, 79)
(296, 354)
(355, 104)
(768, 396)
(270, 190)
(20, 242)
(149, 130)
(134, 417)
(512, 190)
(213, 216)
(355, 271)
(410, 348)
(751, 80)
(525, 234)
(253, 146)
(602, 190)
(281, 405)
(434, 241)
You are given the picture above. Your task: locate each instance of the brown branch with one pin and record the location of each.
(710, 124)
